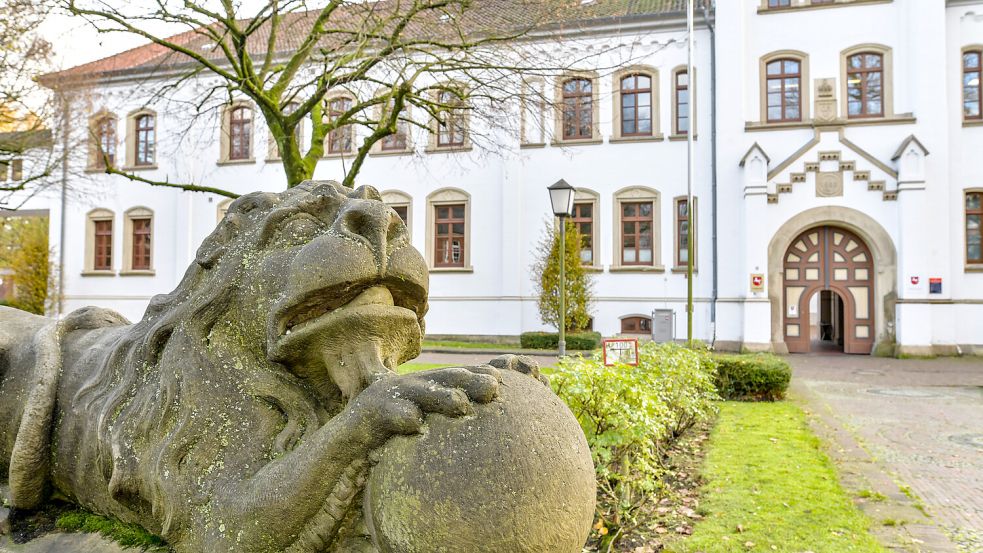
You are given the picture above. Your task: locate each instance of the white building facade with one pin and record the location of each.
(837, 196)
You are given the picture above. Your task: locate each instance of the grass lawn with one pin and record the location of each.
(770, 487)
(468, 345)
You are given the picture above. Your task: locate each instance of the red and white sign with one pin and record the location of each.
(915, 280)
(757, 282)
(620, 350)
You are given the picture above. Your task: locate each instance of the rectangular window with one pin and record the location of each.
(974, 230)
(865, 85)
(782, 86)
(636, 325)
(240, 133)
(449, 235)
(340, 139)
(146, 140)
(583, 220)
(578, 109)
(636, 233)
(103, 246)
(17, 169)
(779, 3)
(395, 142)
(681, 98)
(636, 105)
(141, 244)
(451, 131)
(403, 212)
(682, 232)
(972, 100)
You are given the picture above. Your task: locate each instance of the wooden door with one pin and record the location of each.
(829, 258)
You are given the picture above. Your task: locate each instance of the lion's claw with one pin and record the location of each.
(520, 363)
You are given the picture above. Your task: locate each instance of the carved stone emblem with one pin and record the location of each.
(829, 184)
(825, 101)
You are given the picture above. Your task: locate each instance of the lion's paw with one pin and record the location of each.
(520, 363)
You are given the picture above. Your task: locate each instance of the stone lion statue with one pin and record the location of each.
(247, 410)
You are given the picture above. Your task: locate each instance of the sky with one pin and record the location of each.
(76, 42)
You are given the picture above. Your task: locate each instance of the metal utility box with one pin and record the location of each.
(663, 325)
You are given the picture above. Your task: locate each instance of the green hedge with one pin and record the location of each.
(752, 377)
(550, 340)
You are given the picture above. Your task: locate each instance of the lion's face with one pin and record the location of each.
(324, 279)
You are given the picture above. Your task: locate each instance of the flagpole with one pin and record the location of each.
(690, 169)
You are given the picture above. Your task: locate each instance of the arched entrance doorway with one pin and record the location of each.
(835, 266)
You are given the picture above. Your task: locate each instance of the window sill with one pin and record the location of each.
(448, 149)
(973, 122)
(682, 270)
(593, 269)
(391, 153)
(99, 273)
(974, 268)
(95, 170)
(140, 168)
(584, 142)
(451, 269)
(249, 161)
(138, 272)
(637, 269)
(337, 155)
(897, 119)
(835, 4)
(681, 137)
(643, 138)
(532, 145)
(752, 126)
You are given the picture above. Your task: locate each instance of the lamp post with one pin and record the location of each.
(561, 196)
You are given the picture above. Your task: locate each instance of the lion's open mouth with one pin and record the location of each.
(328, 301)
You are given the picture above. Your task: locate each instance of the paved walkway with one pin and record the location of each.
(475, 358)
(916, 424)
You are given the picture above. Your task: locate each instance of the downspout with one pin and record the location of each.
(713, 171)
(64, 195)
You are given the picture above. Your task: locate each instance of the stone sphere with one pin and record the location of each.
(515, 477)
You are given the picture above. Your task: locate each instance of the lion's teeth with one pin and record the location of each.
(288, 331)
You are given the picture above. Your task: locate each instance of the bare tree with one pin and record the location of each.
(26, 157)
(442, 60)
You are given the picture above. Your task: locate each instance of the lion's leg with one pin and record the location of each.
(296, 502)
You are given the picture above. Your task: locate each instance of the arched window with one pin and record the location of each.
(636, 104)
(974, 227)
(448, 230)
(586, 217)
(972, 99)
(636, 325)
(452, 131)
(578, 110)
(339, 139)
(99, 242)
(137, 241)
(402, 204)
(865, 85)
(145, 149)
(783, 87)
(240, 133)
(680, 101)
(104, 142)
(637, 230)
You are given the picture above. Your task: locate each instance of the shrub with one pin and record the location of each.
(752, 377)
(578, 285)
(631, 416)
(550, 340)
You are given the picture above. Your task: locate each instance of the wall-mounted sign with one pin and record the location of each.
(935, 285)
(915, 280)
(793, 311)
(620, 350)
(757, 282)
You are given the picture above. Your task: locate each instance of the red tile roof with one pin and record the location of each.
(484, 16)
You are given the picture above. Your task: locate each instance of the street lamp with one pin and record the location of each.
(561, 196)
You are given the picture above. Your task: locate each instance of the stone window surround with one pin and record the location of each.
(397, 198)
(969, 121)
(595, 137)
(138, 212)
(131, 139)
(622, 319)
(798, 5)
(352, 127)
(969, 267)
(446, 196)
(98, 214)
(582, 196)
(691, 87)
(887, 79)
(93, 161)
(805, 86)
(376, 149)
(432, 145)
(533, 92)
(225, 134)
(638, 194)
(653, 74)
(693, 234)
(221, 209)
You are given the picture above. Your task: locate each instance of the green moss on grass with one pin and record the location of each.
(769, 483)
(127, 535)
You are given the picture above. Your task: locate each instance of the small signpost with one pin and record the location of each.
(620, 350)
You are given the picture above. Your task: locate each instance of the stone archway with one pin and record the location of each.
(884, 260)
